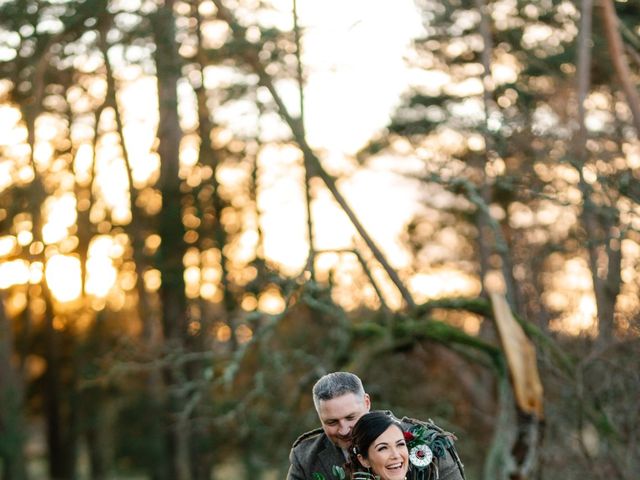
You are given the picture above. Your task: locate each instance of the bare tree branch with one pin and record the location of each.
(251, 57)
(307, 167)
(619, 60)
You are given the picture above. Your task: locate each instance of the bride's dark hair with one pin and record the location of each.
(369, 427)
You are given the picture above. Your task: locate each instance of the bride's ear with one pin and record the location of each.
(363, 461)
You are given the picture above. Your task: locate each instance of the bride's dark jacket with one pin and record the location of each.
(314, 457)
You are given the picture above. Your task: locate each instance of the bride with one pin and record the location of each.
(383, 448)
(378, 448)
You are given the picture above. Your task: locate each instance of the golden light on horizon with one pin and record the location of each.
(152, 280)
(42, 154)
(36, 273)
(101, 276)
(192, 281)
(8, 244)
(210, 291)
(189, 153)
(23, 225)
(281, 203)
(9, 120)
(211, 274)
(14, 272)
(146, 169)
(152, 243)
(111, 179)
(270, 301)
(100, 246)
(137, 96)
(5, 175)
(384, 204)
(83, 164)
(16, 303)
(222, 332)
(25, 237)
(571, 292)
(63, 274)
(25, 173)
(249, 302)
(191, 257)
(127, 276)
(442, 283)
(582, 320)
(12, 141)
(61, 216)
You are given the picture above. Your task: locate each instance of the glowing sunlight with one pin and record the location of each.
(63, 274)
(95, 182)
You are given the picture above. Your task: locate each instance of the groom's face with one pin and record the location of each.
(339, 414)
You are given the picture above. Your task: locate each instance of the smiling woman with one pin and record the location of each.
(379, 446)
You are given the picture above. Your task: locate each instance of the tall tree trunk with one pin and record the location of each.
(481, 221)
(91, 397)
(171, 227)
(12, 425)
(600, 227)
(308, 164)
(59, 390)
(136, 227)
(208, 156)
(172, 230)
(152, 334)
(59, 394)
(490, 239)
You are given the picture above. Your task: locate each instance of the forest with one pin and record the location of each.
(169, 281)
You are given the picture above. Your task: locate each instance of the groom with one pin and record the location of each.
(340, 401)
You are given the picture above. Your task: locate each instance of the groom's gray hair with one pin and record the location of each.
(336, 384)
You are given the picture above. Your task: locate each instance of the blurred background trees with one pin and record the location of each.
(144, 151)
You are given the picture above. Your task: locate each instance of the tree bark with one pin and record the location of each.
(482, 222)
(171, 227)
(307, 166)
(135, 228)
(59, 391)
(12, 425)
(600, 230)
(209, 156)
(59, 394)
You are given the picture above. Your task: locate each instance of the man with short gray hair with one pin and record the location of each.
(340, 400)
(336, 384)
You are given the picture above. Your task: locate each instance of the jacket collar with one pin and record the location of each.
(331, 456)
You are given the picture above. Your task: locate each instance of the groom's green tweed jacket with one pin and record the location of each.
(313, 453)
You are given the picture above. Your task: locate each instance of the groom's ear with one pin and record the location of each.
(367, 402)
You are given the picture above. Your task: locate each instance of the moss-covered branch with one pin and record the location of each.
(482, 306)
(405, 331)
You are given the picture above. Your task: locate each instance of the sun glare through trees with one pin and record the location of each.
(207, 204)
